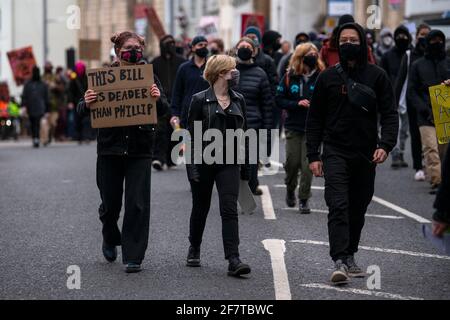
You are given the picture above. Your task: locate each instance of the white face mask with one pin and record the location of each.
(388, 41)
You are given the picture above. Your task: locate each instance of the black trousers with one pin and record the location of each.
(227, 178)
(349, 188)
(416, 141)
(35, 126)
(112, 171)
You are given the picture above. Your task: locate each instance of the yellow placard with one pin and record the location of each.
(440, 101)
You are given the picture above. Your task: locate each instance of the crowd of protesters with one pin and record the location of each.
(344, 102)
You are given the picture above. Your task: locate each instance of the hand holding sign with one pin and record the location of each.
(123, 96)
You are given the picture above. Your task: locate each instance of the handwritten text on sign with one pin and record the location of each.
(124, 97)
(440, 101)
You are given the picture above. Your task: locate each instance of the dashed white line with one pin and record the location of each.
(277, 248)
(267, 204)
(383, 250)
(378, 294)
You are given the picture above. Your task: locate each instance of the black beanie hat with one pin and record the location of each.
(346, 18)
(197, 40)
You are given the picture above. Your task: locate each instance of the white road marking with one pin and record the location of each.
(393, 251)
(400, 210)
(385, 203)
(367, 215)
(267, 204)
(360, 292)
(277, 248)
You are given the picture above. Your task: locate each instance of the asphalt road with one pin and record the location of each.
(49, 222)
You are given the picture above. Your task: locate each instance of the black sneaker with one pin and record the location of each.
(340, 275)
(304, 207)
(133, 268)
(193, 258)
(236, 268)
(354, 270)
(258, 192)
(403, 163)
(291, 200)
(396, 164)
(109, 252)
(157, 165)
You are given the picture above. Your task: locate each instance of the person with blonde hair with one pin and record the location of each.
(217, 108)
(293, 95)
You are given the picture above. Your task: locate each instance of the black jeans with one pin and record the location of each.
(35, 126)
(349, 188)
(227, 178)
(112, 171)
(416, 141)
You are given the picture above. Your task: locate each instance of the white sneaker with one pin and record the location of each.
(420, 176)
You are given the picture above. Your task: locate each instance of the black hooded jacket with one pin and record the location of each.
(427, 72)
(266, 63)
(165, 68)
(333, 120)
(392, 59)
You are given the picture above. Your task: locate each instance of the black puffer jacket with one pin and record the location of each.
(426, 72)
(133, 141)
(255, 88)
(266, 63)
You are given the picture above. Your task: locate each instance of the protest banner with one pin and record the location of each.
(440, 102)
(22, 62)
(124, 97)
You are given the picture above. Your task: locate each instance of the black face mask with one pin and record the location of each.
(422, 43)
(350, 52)
(245, 54)
(202, 53)
(277, 46)
(402, 44)
(132, 56)
(437, 50)
(214, 52)
(179, 50)
(310, 61)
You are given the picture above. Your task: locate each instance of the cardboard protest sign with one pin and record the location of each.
(440, 101)
(22, 62)
(124, 97)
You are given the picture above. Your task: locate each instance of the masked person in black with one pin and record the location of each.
(401, 86)
(218, 108)
(428, 71)
(254, 86)
(189, 81)
(294, 96)
(345, 121)
(391, 64)
(165, 67)
(124, 155)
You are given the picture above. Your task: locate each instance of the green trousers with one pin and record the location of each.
(296, 161)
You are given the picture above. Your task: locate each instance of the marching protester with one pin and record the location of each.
(36, 101)
(220, 108)
(330, 49)
(271, 45)
(165, 68)
(390, 62)
(442, 204)
(77, 88)
(189, 81)
(428, 71)
(343, 115)
(57, 90)
(385, 43)
(294, 95)
(216, 47)
(401, 86)
(124, 156)
(300, 38)
(254, 86)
